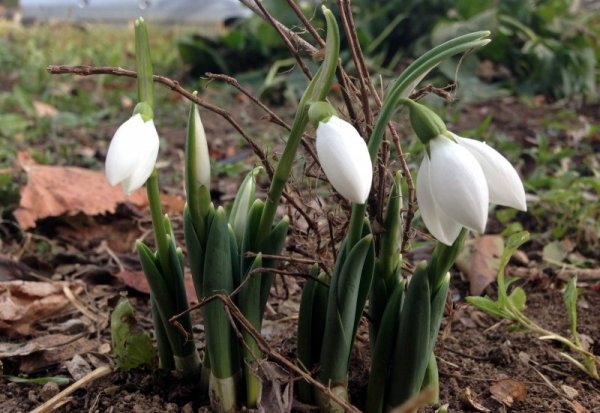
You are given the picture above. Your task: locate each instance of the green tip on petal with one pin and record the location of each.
(425, 122)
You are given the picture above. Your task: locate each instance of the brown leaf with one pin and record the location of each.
(44, 110)
(468, 398)
(508, 391)
(277, 387)
(480, 261)
(11, 269)
(46, 358)
(137, 281)
(22, 303)
(8, 350)
(55, 190)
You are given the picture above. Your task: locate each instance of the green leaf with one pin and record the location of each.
(438, 303)
(218, 279)
(486, 305)
(307, 356)
(195, 251)
(383, 351)
(517, 298)
(366, 278)
(250, 304)
(251, 235)
(272, 246)
(61, 381)
(413, 348)
(341, 314)
(131, 345)
(243, 202)
(570, 299)
(389, 252)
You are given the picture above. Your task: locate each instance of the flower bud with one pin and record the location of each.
(345, 159)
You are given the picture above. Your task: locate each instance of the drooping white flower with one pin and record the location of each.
(456, 182)
(345, 159)
(132, 154)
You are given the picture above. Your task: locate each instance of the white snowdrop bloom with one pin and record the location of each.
(345, 159)
(132, 154)
(456, 182)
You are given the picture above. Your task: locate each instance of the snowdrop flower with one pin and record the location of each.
(458, 178)
(132, 154)
(456, 182)
(345, 159)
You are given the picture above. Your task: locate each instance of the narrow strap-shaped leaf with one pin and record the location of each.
(366, 279)
(389, 253)
(165, 352)
(250, 303)
(250, 234)
(341, 315)
(272, 246)
(412, 351)
(218, 280)
(438, 302)
(378, 300)
(381, 357)
(161, 292)
(186, 345)
(235, 258)
(306, 355)
(195, 251)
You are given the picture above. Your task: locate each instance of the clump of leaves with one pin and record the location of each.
(132, 346)
(549, 47)
(511, 306)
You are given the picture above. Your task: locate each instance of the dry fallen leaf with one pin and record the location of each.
(468, 398)
(570, 392)
(42, 359)
(22, 303)
(8, 350)
(508, 391)
(44, 110)
(55, 190)
(480, 261)
(277, 385)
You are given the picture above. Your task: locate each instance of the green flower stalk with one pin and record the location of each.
(163, 269)
(317, 90)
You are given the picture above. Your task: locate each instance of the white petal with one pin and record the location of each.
(345, 159)
(202, 158)
(503, 180)
(123, 153)
(458, 184)
(437, 222)
(148, 150)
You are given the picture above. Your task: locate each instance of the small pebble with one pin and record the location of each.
(49, 390)
(32, 397)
